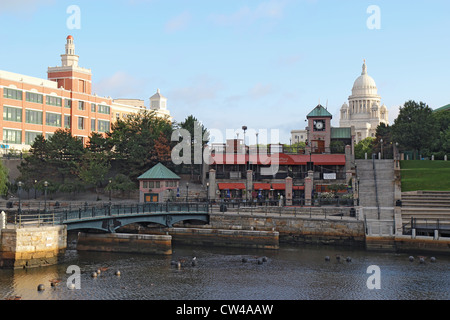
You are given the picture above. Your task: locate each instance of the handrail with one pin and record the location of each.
(376, 185)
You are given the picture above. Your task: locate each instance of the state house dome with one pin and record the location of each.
(364, 85)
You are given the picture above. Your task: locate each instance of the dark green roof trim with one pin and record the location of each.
(319, 111)
(159, 172)
(341, 133)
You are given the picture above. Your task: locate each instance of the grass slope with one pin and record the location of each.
(425, 175)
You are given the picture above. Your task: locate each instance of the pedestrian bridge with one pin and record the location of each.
(110, 217)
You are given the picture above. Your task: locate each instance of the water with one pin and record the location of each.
(291, 273)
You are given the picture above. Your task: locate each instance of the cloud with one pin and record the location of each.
(22, 8)
(260, 90)
(119, 85)
(267, 10)
(178, 23)
(202, 88)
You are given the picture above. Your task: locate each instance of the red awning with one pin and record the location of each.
(278, 186)
(231, 186)
(281, 159)
(261, 186)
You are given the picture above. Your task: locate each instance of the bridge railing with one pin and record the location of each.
(70, 214)
(99, 211)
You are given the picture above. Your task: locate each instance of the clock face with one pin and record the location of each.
(319, 125)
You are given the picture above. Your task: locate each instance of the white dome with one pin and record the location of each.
(344, 106)
(364, 84)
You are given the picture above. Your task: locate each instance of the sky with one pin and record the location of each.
(264, 64)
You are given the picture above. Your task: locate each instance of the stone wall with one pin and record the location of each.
(228, 238)
(32, 246)
(297, 229)
(121, 242)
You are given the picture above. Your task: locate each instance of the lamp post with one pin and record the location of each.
(244, 128)
(207, 192)
(381, 140)
(19, 185)
(187, 191)
(45, 196)
(109, 184)
(35, 182)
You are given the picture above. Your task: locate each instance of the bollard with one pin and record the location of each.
(413, 233)
(436, 235)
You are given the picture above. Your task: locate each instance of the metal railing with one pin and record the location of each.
(426, 226)
(69, 214)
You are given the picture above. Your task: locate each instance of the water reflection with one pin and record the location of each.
(290, 273)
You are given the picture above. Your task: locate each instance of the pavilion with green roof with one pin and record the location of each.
(158, 184)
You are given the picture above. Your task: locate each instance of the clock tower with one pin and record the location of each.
(319, 130)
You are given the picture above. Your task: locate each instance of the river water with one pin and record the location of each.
(290, 273)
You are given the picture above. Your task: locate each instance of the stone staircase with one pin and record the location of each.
(377, 199)
(429, 205)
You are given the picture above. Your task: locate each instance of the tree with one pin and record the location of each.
(3, 179)
(383, 141)
(364, 146)
(54, 160)
(134, 141)
(414, 128)
(199, 136)
(93, 169)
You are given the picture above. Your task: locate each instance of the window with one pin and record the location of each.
(53, 119)
(12, 136)
(12, 94)
(92, 124)
(33, 116)
(80, 123)
(67, 121)
(67, 103)
(93, 107)
(80, 105)
(48, 135)
(117, 115)
(157, 184)
(34, 97)
(53, 101)
(30, 136)
(103, 109)
(151, 184)
(145, 184)
(12, 114)
(103, 126)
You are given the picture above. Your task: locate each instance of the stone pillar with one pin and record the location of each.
(309, 185)
(445, 158)
(248, 193)
(288, 190)
(212, 185)
(3, 221)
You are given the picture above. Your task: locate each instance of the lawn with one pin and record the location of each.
(425, 175)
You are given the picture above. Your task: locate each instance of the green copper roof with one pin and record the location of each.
(159, 172)
(319, 111)
(341, 133)
(447, 107)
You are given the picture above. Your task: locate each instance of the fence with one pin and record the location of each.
(66, 214)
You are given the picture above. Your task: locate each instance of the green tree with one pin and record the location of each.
(199, 137)
(364, 146)
(414, 128)
(133, 140)
(93, 169)
(3, 179)
(383, 141)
